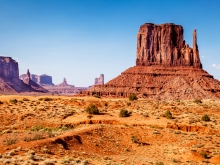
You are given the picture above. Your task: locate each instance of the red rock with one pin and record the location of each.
(9, 78)
(166, 68)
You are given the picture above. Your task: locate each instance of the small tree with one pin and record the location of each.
(168, 115)
(124, 113)
(92, 109)
(132, 97)
(205, 118)
(197, 101)
(13, 101)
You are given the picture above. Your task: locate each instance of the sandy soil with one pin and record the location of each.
(58, 130)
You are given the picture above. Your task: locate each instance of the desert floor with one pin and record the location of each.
(58, 130)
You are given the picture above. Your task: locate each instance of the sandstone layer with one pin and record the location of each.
(9, 78)
(166, 68)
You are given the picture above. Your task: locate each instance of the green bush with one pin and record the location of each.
(205, 118)
(26, 99)
(45, 99)
(97, 96)
(204, 155)
(124, 113)
(197, 101)
(159, 163)
(134, 139)
(92, 109)
(168, 115)
(133, 97)
(13, 101)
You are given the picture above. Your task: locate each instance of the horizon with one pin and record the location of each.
(79, 40)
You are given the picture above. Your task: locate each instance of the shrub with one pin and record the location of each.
(168, 115)
(1, 102)
(10, 141)
(133, 97)
(134, 139)
(92, 109)
(45, 99)
(26, 99)
(128, 103)
(124, 113)
(97, 96)
(13, 101)
(159, 163)
(204, 155)
(205, 118)
(106, 104)
(197, 101)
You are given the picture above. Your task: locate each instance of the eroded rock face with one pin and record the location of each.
(166, 68)
(164, 45)
(9, 78)
(8, 67)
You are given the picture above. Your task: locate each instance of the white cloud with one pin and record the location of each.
(217, 66)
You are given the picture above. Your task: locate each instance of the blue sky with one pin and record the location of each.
(80, 39)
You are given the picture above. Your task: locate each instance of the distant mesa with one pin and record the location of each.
(166, 68)
(9, 78)
(41, 80)
(64, 88)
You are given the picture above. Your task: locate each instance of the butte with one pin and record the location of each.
(166, 68)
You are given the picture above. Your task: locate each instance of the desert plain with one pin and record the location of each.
(48, 130)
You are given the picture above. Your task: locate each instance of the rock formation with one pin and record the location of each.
(41, 80)
(163, 45)
(100, 80)
(9, 78)
(166, 68)
(64, 88)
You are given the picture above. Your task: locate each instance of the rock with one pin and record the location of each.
(100, 80)
(163, 45)
(41, 80)
(9, 78)
(166, 68)
(8, 67)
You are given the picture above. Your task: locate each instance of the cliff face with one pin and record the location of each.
(8, 68)
(164, 45)
(9, 78)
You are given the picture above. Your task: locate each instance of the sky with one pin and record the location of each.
(81, 39)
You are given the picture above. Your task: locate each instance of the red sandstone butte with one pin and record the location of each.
(166, 68)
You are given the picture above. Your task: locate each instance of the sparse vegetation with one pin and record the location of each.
(204, 155)
(10, 141)
(206, 118)
(134, 139)
(92, 109)
(124, 113)
(133, 97)
(26, 99)
(168, 115)
(159, 163)
(96, 96)
(128, 103)
(45, 99)
(13, 101)
(197, 101)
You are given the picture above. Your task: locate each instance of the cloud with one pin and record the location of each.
(217, 66)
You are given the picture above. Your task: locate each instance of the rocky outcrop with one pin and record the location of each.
(41, 80)
(166, 68)
(100, 80)
(9, 78)
(164, 45)
(8, 67)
